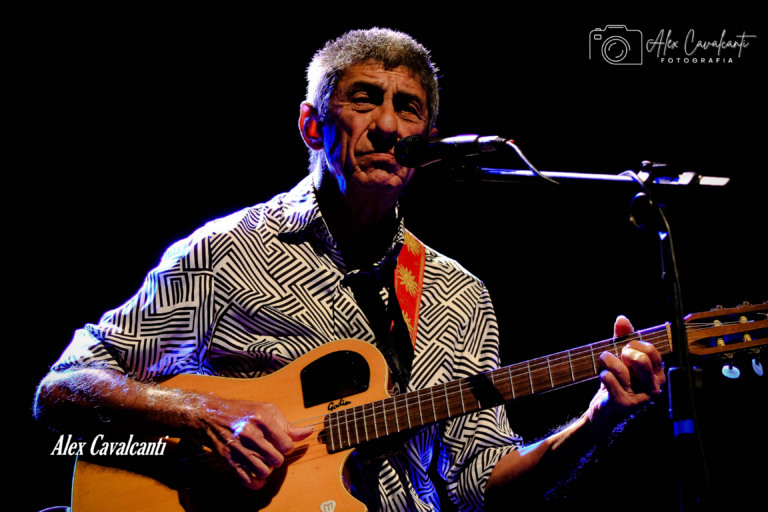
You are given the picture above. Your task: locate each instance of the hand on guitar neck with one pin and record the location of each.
(627, 382)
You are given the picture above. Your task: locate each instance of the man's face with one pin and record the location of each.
(370, 110)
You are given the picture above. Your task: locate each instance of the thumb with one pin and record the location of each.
(622, 327)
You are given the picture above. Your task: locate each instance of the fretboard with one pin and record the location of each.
(359, 424)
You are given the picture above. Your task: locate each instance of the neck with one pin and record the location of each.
(363, 228)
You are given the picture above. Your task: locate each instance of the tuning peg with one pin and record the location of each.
(757, 364)
(730, 371)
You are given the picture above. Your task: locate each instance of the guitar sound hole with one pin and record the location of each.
(333, 376)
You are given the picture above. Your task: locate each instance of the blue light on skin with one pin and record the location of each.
(757, 366)
(238, 426)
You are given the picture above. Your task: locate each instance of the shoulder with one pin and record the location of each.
(253, 224)
(448, 281)
(442, 265)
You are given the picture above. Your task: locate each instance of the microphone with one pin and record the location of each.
(418, 151)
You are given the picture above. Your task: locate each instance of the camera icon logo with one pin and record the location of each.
(617, 45)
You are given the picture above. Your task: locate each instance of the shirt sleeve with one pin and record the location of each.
(161, 330)
(471, 445)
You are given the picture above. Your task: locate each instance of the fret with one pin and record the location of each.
(354, 422)
(559, 370)
(346, 425)
(541, 375)
(375, 422)
(438, 402)
(592, 357)
(432, 399)
(338, 430)
(447, 404)
(530, 378)
(493, 384)
(511, 384)
(600, 348)
(384, 415)
(549, 369)
(331, 431)
(522, 383)
(407, 410)
(570, 365)
(418, 403)
(363, 423)
(461, 398)
(584, 363)
(394, 409)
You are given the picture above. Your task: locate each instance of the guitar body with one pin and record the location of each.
(341, 388)
(311, 479)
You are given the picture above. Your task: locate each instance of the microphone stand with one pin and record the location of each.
(648, 215)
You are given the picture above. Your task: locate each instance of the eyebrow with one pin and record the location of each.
(364, 85)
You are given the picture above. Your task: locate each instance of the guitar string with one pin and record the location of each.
(657, 336)
(451, 387)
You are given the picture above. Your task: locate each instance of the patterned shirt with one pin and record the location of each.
(248, 293)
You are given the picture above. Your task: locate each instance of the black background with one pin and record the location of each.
(132, 128)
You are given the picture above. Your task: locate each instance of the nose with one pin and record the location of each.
(385, 127)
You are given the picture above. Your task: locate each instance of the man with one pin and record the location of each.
(246, 294)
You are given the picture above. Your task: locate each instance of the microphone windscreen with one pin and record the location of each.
(409, 151)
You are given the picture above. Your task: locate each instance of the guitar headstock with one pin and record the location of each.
(723, 332)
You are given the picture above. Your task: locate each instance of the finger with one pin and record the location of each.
(652, 353)
(641, 368)
(618, 369)
(618, 392)
(254, 440)
(299, 433)
(279, 431)
(256, 464)
(622, 326)
(249, 464)
(247, 478)
(278, 434)
(250, 473)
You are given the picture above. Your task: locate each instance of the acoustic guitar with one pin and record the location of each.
(340, 388)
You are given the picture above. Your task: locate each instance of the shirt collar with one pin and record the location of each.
(300, 210)
(301, 216)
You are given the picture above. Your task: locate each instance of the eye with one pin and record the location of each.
(362, 99)
(365, 97)
(410, 109)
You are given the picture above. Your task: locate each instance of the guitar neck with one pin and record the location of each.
(356, 425)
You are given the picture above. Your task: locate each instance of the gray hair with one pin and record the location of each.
(388, 47)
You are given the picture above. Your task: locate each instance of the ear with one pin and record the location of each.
(309, 126)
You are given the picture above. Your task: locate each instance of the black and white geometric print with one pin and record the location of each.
(247, 294)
